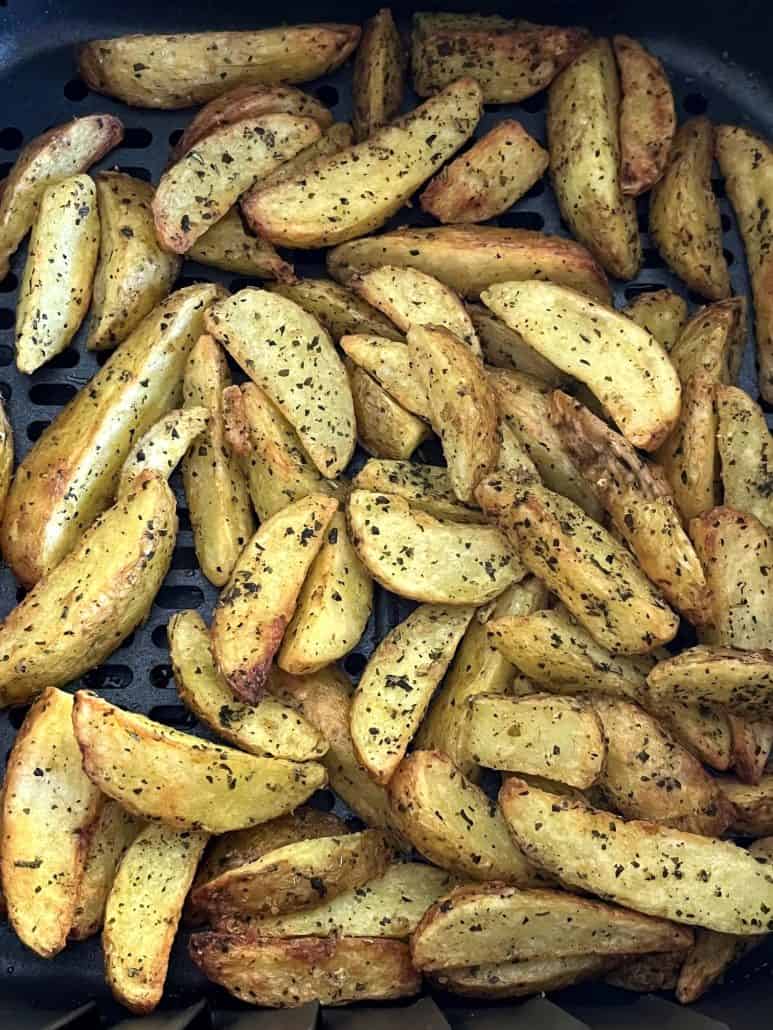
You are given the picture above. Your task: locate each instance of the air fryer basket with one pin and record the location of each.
(717, 56)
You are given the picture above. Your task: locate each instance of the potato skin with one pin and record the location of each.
(379, 69)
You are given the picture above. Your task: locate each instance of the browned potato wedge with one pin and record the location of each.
(162, 448)
(648, 973)
(662, 313)
(742, 680)
(337, 308)
(584, 144)
(708, 959)
(49, 809)
(689, 456)
(488, 178)
(746, 450)
(426, 22)
(712, 342)
(516, 979)
(379, 69)
(183, 69)
(505, 348)
(423, 486)
(389, 363)
(6, 459)
(752, 742)
(335, 139)
(59, 153)
(227, 245)
(384, 428)
(647, 116)
(753, 804)
(684, 213)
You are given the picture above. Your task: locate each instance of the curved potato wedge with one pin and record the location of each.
(516, 979)
(335, 139)
(746, 451)
(384, 428)
(504, 348)
(337, 308)
(752, 804)
(424, 486)
(741, 680)
(227, 245)
(712, 342)
(689, 456)
(6, 459)
(389, 363)
(379, 69)
(662, 313)
(163, 447)
(708, 959)
(752, 743)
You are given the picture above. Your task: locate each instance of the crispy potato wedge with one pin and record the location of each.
(488, 178)
(309, 210)
(183, 69)
(143, 910)
(684, 213)
(70, 474)
(720, 886)
(85, 608)
(55, 289)
(752, 742)
(389, 363)
(337, 308)
(133, 273)
(584, 339)
(504, 348)
(712, 342)
(753, 804)
(379, 71)
(516, 979)
(424, 486)
(418, 556)
(585, 156)
(59, 153)
(163, 447)
(647, 116)
(385, 429)
(662, 313)
(335, 139)
(689, 456)
(289, 355)
(746, 450)
(159, 773)
(49, 810)
(227, 245)
(398, 682)
(708, 959)
(741, 680)
(648, 973)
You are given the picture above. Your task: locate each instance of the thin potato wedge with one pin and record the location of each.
(746, 452)
(516, 979)
(384, 428)
(712, 342)
(423, 486)
(752, 742)
(389, 363)
(504, 348)
(163, 447)
(703, 729)
(648, 973)
(337, 308)
(228, 246)
(662, 313)
(379, 69)
(753, 804)
(6, 460)
(689, 456)
(741, 680)
(708, 959)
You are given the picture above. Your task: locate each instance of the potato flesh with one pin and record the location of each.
(662, 313)
(424, 486)
(746, 450)
(163, 446)
(389, 363)
(384, 428)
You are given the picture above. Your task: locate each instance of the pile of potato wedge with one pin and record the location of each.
(605, 484)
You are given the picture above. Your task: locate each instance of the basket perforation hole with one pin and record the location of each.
(137, 138)
(355, 663)
(9, 284)
(695, 103)
(76, 90)
(7, 318)
(52, 394)
(173, 598)
(184, 519)
(522, 220)
(108, 677)
(36, 429)
(172, 715)
(535, 104)
(127, 643)
(718, 186)
(161, 676)
(323, 800)
(651, 258)
(16, 716)
(727, 223)
(68, 358)
(327, 94)
(11, 138)
(536, 191)
(189, 280)
(184, 558)
(175, 136)
(6, 355)
(5, 391)
(136, 171)
(159, 637)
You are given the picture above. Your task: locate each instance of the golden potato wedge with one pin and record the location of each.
(385, 429)
(183, 69)
(712, 342)
(709, 882)
(708, 959)
(49, 810)
(516, 979)
(332, 141)
(289, 355)
(85, 608)
(227, 245)
(133, 273)
(337, 308)
(309, 210)
(59, 153)
(143, 910)
(741, 680)
(689, 456)
(684, 213)
(504, 348)
(703, 729)
(6, 460)
(279, 972)
(745, 449)
(187, 783)
(423, 486)
(647, 973)
(585, 339)
(753, 804)
(647, 116)
(379, 70)
(752, 743)
(662, 313)
(585, 156)
(163, 446)
(389, 363)
(418, 556)
(56, 285)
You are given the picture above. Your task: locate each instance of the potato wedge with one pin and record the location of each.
(647, 116)
(423, 486)
(428, 559)
(286, 972)
(584, 145)
(289, 355)
(384, 428)
(389, 363)
(6, 460)
(648, 973)
(60, 152)
(332, 141)
(753, 804)
(228, 246)
(379, 70)
(712, 342)
(55, 289)
(133, 273)
(398, 682)
(49, 810)
(163, 447)
(708, 882)
(662, 313)
(427, 22)
(307, 211)
(516, 979)
(746, 450)
(70, 474)
(187, 783)
(741, 680)
(337, 308)
(183, 69)
(689, 456)
(708, 959)
(752, 743)
(684, 213)
(143, 910)
(584, 339)
(703, 729)
(504, 348)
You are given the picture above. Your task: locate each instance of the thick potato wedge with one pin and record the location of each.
(85, 608)
(423, 486)
(183, 69)
(398, 682)
(708, 959)
(143, 910)
(70, 474)
(353, 192)
(337, 308)
(684, 213)
(56, 286)
(286, 972)
(389, 363)
(418, 556)
(648, 973)
(753, 804)
(504, 348)
(662, 313)
(163, 447)
(289, 355)
(584, 144)
(708, 882)
(227, 245)
(712, 342)
(207, 181)
(585, 339)
(741, 680)
(689, 456)
(385, 429)
(133, 273)
(647, 116)
(59, 153)
(49, 810)
(595, 577)
(516, 979)
(488, 178)
(379, 70)
(187, 783)
(746, 451)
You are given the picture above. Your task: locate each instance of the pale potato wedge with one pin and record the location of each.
(584, 145)
(648, 973)
(689, 456)
(354, 192)
(516, 979)
(753, 804)
(60, 152)
(163, 447)
(183, 69)
(703, 729)
(585, 339)
(684, 213)
(741, 680)
(647, 116)
(712, 342)
(133, 273)
(746, 450)
(711, 955)
(752, 743)
(389, 363)
(49, 809)
(228, 246)
(186, 782)
(332, 141)
(662, 313)
(287, 353)
(422, 486)
(379, 71)
(488, 178)
(385, 429)
(504, 348)
(56, 285)
(416, 555)
(337, 308)
(398, 682)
